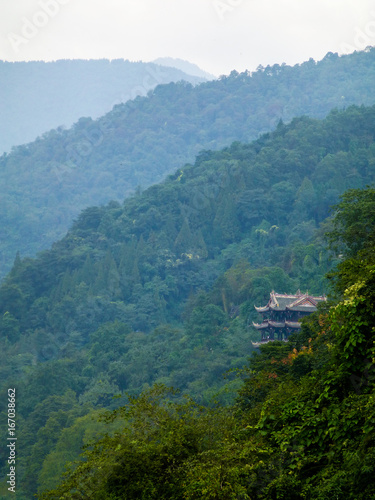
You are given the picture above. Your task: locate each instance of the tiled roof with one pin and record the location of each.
(293, 324)
(296, 302)
(306, 308)
(276, 324)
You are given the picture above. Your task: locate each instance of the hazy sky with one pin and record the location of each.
(218, 35)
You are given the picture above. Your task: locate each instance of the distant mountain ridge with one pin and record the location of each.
(185, 66)
(37, 96)
(45, 184)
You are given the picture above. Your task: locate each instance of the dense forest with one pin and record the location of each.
(38, 96)
(161, 290)
(302, 426)
(45, 184)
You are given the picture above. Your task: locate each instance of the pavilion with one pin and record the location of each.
(282, 314)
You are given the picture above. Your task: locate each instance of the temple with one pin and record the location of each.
(282, 314)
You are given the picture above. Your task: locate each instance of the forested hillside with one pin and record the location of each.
(302, 427)
(161, 289)
(37, 96)
(46, 183)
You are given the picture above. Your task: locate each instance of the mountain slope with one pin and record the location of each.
(37, 96)
(46, 183)
(162, 288)
(302, 427)
(247, 201)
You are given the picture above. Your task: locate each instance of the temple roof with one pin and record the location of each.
(302, 302)
(276, 324)
(261, 326)
(265, 341)
(293, 324)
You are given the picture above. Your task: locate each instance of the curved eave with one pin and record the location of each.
(262, 309)
(293, 324)
(262, 342)
(276, 324)
(260, 326)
